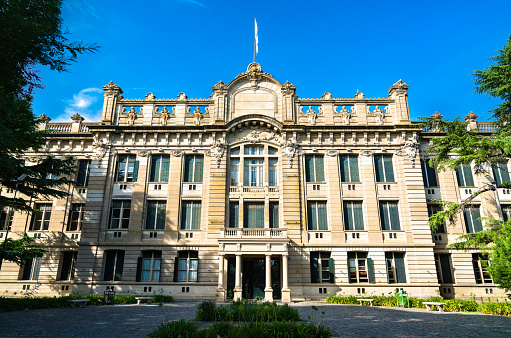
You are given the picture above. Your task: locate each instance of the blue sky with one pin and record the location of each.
(173, 46)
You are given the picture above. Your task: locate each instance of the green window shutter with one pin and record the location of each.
(478, 226)
(234, 214)
(176, 268)
(424, 173)
(389, 170)
(348, 218)
(119, 264)
(331, 270)
(320, 169)
(185, 215)
(445, 263)
(384, 218)
(460, 177)
(394, 216)
(354, 169)
(378, 164)
(199, 165)
(469, 179)
(468, 221)
(165, 165)
(260, 216)
(504, 173)
(314, 267)
(135, 171)
(274, 215)
(358, 216)
(155, 169)
(431, 175)
(400, 267)
(322, 216)
(160, 217)
(139, 268)
(151, 214)
(345, 170)
(309, 169)
(370, 270)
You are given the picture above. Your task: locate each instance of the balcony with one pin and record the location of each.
(254, 192)
(253, 233)
(193, 189)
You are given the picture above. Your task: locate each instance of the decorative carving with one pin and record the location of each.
(410, 149)
(132, 115)
(176, 153)
(387, 109)
(155, 109)
(217, 150)
(345, 115)
(400, 85)
(197, 116)
(44, 118)
(437, 116)
(288, 88)
(353, 109)
(320, 108)
(99, 149)
(220, 87)
(332, 152)
(143, 153)
(164, 116)
(112, 88)
(77, 118)
(367, 153)
(182, 96)
(173, 109)
(326, 96)
(359, 96)
(289, 148)
(311, 116)
(150, 97)
(206, 110)
(379, 115)
(398, 152)
(471, 117)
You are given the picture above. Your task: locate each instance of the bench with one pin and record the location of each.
(362, 300)
(73, 302)
(429, 304)
(139, 299)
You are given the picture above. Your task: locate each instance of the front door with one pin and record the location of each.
(253, 278)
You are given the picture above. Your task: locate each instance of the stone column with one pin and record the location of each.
(286, 292)
(268, 291)
(237, 281)
(221, 289)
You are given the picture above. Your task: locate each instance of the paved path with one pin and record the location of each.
(344, 320)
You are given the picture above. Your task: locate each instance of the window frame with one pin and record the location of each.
(396, 270)
(31, 269)
(235, 172)
(388, 215)
(253, 170)
(431, 212)
(160, 168)
(349, 209)
(311, 226)
(191, 166)
(501, 173)
(445, 265)
(79, 220)
(6, 218)
(129, 171)
(190, 257)
(153, 256)
(189, 225)
(350, 160)
(159, 206)
(480, 264)
(473, 221)
(463, 172)
(83, 173)
(429, 174)
(247, 219)
(44, 209)
(312, 177)
(505, 208)
(68, 270)
(356, 275)
(117, 265)
(386, 171)
(122, 219)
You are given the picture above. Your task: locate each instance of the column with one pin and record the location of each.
(268, 291)
(221, 289)
(286, 292)
(237, 281)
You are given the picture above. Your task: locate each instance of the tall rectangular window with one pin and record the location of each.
(395, 267)
(114, 263)
(76, 217)
(389, 216)
(433, 209)
(480, 263)
(254, 150)
(235, 172)
(443, 268)
(274, 214)
(384, 168)
(68, 262)
(187, 266)
(6, 217)
(273, 173)
(234, 214)
(82, 179)
(191, 215)
(149, 266)
(349, 168)
(314, 168)
(156, 211)
(506, 212)
(501, 173)
(41, 217)
(194, 165)
(353, 215)
(428, 174)
(360, 268)
(322, 267)
(126, 169)
(159, 168)
(120, 214)
(253, 215)
(30, 270)
(317, 215)
(464, 176)
(254, 172)
(471, 214)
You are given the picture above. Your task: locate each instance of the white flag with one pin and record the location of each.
(256, 37)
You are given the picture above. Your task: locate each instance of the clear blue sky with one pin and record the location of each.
(167, 47)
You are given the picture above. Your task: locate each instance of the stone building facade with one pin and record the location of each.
(252, 192)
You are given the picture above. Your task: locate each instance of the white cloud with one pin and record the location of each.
(196, 3)
(86, 103)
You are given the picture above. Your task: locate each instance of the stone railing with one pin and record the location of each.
(253, 233)
(235, 190)
(59, 127)
(486, 127)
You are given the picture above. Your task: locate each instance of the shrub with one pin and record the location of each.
(501, 309)
(460, 305)
(206, 311)
(181, 328)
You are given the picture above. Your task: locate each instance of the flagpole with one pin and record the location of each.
(254, 38)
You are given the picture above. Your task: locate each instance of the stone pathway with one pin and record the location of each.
(344, 320)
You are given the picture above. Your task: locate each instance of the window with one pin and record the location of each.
(114, 262)
(76, 217)
(191, 215)
(156, 211)
(253, 215)
(30, 270)
(149, 266)
(254, 150)
(314, 168)
(471, 215)
(433, 209)
(193, 168)
(322, 267)
(234, 214)
(389, 216)
(273, 173)
(127, 169)
(428, 174)
(395, 267)
(6, 216)
(384, 169)
(506, 212)
(464, 176)
(480, 263)
(68, 261)
(316, 215)
(353, 215)
(360, 268)
(82, 179)
(41, 217)
(274, 215)
(254, 172)
(349, 168)
(159, 168)
(187, 264)
(443, 268)
(501, 173)
(120, 214)
(235, 172)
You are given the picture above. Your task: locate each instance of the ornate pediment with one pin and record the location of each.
(400, 85)
(112, 87)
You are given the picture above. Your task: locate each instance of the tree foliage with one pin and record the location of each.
(22, 250)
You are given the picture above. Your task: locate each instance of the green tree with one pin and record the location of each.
(31, 36)
(483, 151)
